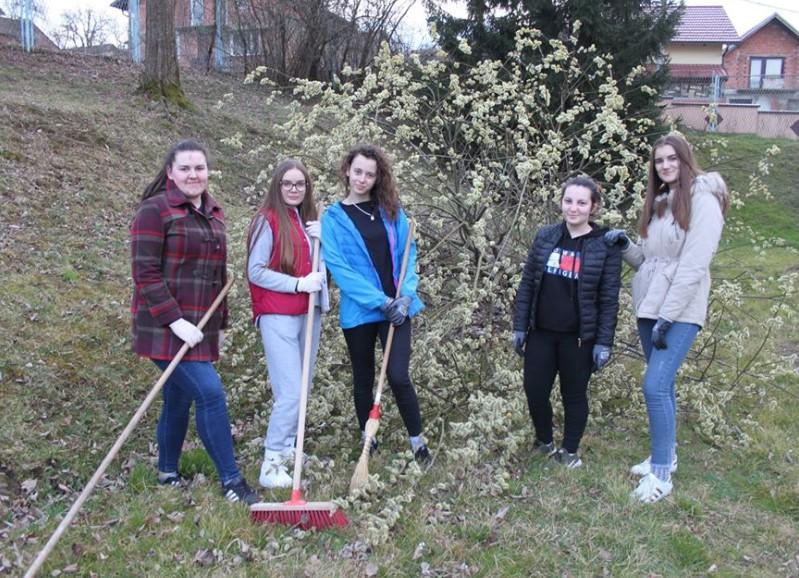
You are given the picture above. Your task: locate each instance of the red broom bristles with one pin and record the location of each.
(319, 515)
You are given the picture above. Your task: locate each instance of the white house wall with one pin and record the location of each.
(695, 53)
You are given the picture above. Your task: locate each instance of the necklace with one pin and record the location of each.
(370, 215)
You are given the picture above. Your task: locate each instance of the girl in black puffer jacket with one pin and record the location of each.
(565, 316)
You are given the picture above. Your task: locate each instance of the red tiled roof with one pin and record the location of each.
(697, 70)
(705, 24)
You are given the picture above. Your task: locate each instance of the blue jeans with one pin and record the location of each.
(195, 381)
(659, 391)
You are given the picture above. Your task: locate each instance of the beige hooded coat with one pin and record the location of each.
(672, 278)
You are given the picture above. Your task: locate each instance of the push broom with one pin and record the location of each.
(361, 475)
(296, 511)
(134, 421)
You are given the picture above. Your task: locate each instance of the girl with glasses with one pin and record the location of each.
(279, 270)
(363, 242)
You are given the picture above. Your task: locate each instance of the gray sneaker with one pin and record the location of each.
(564, 458)
(540, 447)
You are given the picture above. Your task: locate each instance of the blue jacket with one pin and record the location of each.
(348, 260)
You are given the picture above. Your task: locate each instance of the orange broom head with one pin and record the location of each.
(319, 515)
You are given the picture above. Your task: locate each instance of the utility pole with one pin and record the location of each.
(26, 26)
(135, 38)
(219, 52)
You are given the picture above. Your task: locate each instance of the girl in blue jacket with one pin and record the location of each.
(363, 237)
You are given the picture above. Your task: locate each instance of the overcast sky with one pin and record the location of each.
(743, 13)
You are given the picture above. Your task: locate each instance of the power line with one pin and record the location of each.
(780, 8)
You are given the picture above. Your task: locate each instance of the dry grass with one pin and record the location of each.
(76, 146)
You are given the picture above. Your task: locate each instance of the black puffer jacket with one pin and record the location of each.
(597, 288)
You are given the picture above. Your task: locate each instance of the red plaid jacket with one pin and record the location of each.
(178, 257)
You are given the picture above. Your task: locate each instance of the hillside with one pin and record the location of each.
(77, 146)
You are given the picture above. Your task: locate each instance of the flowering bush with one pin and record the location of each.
(479, 157)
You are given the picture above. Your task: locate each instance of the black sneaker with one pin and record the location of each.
(239, 491)
(542, 448)
(570, 461)
(422, 455)
(170, 480)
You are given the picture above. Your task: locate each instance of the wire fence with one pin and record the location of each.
(767, 92)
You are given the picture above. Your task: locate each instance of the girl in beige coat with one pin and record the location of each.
(679, 229)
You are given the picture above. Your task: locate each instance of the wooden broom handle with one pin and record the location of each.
(305, 380)
(134, 421)
(390, 338)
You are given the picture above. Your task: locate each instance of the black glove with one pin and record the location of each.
(616, 237)
(519, 339)
(601, 355)
(386, 306)
(659, 331)
(398, 310)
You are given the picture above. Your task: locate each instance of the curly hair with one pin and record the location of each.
(384, 190)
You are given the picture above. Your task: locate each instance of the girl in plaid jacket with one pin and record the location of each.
(178, 258)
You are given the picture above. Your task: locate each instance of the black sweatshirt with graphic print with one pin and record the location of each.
(557, 301)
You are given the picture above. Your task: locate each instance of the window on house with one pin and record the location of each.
(244, 42)
(766, 72)
(197, 12)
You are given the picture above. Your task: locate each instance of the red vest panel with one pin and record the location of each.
(266, 301)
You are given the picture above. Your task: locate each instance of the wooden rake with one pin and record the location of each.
(112, 453)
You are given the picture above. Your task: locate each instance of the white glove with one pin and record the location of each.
(311, 283)
(186, 331)
(314, 229)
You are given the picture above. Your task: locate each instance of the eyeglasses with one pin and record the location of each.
(287, 186)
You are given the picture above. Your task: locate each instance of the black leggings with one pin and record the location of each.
(548, 353)
(361, 345)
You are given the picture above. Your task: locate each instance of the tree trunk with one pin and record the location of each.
(161, 77)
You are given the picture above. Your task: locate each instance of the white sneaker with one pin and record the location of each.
(651, 489)
(273, 472)
(645, 467)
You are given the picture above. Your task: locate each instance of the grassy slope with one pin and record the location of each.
(75, 147)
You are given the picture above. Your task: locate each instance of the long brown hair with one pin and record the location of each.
(273, 201)
(159, 183)
(384, 190)
(681, 202)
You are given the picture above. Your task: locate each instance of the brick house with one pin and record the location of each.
(10, 29)
(695, 54)
(194, 28)
(764, 66)
(245, 41)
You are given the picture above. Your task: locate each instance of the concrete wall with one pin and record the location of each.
(736, 118)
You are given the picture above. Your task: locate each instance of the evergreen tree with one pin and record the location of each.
(633, 32)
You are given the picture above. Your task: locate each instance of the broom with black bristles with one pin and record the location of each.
(361, 475)
(297, 512)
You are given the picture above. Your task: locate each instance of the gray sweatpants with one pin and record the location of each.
(283, 337)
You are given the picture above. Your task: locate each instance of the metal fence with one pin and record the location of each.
(768, 93)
